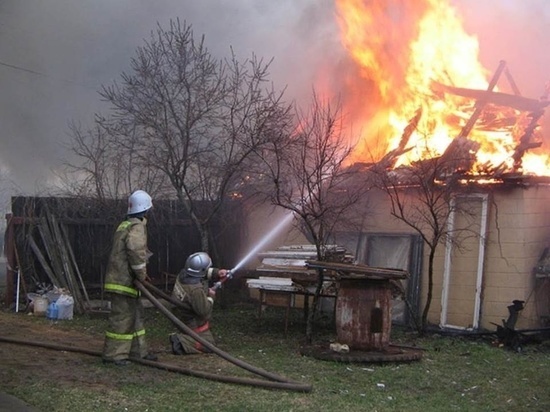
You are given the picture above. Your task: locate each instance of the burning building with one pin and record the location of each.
(447, 118)
(462, 151)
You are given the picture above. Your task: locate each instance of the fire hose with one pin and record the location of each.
(276, 382)
(144, 288)
(297, 387)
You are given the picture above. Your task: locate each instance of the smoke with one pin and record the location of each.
(515, 31)
(55, 55)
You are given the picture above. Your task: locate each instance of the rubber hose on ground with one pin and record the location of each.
(143, 287)
(172, 368)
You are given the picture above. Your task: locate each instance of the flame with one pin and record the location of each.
(401, 49)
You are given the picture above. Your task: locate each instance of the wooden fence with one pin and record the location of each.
(68, 241)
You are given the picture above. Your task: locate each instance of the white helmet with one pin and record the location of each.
(138, 202)
(197, 264)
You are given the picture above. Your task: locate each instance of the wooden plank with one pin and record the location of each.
(497, 98)
(61, 243)
(48, 243)
(525, 142)
(359, 271)
(75, 265)
(42, 260)
(9, 250)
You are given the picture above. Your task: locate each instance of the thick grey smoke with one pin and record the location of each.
(516, 31)
(56, 54)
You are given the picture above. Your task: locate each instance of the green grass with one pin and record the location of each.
(454, 374)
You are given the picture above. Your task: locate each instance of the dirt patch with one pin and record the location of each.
(24, 364)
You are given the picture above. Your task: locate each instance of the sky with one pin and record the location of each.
(55, 55)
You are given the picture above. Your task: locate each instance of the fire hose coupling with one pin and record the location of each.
(219, 283)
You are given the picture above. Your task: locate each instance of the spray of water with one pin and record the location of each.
(267, 238)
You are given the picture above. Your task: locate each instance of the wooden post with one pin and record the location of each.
(480, 104)
(11, 261)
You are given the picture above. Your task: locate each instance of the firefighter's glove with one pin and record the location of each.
(140, 275)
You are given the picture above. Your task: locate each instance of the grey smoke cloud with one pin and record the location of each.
(56, 54)
(515, 31)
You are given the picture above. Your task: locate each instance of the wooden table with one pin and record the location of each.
(287, 295)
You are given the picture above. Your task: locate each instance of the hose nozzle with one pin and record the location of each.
(219, 283)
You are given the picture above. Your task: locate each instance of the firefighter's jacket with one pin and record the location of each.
(196, 308)
(128, 258)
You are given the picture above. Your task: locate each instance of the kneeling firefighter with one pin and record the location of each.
(191, 289)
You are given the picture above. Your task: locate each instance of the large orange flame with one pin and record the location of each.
(402, 49)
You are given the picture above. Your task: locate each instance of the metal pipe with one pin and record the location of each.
(17, 293)
(172, 368)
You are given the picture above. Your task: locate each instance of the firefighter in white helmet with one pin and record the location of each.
(191, 289)
(125, 336)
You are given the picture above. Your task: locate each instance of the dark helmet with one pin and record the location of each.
(197, 265)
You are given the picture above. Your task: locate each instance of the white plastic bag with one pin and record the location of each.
(65, 305)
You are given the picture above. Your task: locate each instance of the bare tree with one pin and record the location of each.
(190, 120)
(310, 176)
(422, 196)
(97, 169)
(103, 170)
